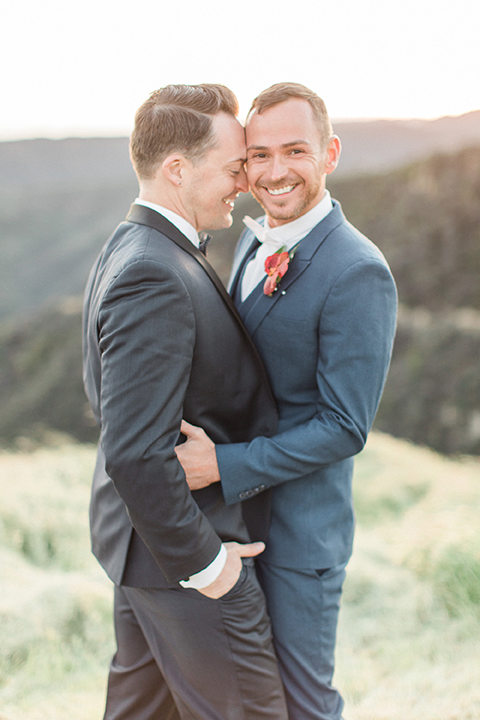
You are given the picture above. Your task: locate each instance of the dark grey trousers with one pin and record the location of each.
(303, 605)
(182, 656)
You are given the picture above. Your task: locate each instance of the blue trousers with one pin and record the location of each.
(303, 605)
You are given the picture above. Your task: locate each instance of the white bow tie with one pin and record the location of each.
(262, 235)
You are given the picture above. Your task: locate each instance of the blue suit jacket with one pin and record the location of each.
(325, 337)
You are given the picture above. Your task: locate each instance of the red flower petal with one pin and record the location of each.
(270, 284)
(283, 267)
(274, 261)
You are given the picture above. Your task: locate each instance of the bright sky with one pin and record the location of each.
(83, 68)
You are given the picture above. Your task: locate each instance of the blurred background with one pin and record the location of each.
(401, 85)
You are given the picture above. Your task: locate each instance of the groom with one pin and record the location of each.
(323, 322)
(193, 636)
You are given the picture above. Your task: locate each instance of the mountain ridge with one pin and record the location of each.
(368, 146)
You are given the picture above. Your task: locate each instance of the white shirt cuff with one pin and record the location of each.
(209, 574)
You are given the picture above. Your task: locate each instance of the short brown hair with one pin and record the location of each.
(177, 118)
(286, 91)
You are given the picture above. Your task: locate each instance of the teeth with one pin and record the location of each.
(280, 191)
(229, 202)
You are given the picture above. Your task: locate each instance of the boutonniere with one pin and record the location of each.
(276, 266)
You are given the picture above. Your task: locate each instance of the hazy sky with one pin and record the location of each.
(83, 68)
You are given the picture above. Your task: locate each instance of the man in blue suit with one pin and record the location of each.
(323, 321)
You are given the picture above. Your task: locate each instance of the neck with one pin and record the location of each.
(166, 197)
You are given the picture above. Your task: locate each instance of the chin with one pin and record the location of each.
(282, 213)
(278, 210)
(222, 223)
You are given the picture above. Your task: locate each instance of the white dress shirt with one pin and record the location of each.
(183, 225)
(209, 574)
(287, 235)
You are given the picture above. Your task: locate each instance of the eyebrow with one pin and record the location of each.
(284, 145)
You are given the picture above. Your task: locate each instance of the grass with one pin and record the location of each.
(55, 602)
(409, 630)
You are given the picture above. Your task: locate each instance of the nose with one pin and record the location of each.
(278, 169)
(242, 182)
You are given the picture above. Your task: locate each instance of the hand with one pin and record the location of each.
(232, 568)
(198, 457)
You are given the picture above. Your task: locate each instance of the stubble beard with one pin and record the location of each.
(276, 212)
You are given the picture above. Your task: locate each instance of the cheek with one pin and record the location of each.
(229, 186)
(212, 191)
(253, 175)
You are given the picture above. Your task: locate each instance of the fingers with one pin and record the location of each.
(250, 549)
(187, 429)
(231, 571)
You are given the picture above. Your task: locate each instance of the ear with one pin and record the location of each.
(174, 168)
(334, 149)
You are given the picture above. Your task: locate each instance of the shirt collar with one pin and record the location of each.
(180, 223)
(292, 232)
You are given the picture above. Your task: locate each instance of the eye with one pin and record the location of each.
(257, 156)
(296, 151)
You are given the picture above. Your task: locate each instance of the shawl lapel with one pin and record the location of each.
(151, 218)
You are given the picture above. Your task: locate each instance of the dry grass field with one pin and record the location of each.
(409, 638)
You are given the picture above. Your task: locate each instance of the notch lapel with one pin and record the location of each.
(260, 305)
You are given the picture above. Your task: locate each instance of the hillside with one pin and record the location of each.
(424, 216)
(48, 245)
(368, 145)
(76, 161)
(429, 233)
(409, 629)
(41, 375)
(432, 395)
(426, 219)
(381, 145)
(61, 199)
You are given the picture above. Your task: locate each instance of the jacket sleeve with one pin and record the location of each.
(355, 336)
(146, 329)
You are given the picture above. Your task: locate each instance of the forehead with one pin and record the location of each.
(286, 122)
(230, 138)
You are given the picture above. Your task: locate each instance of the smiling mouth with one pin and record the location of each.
(281, 191)
(229, 202)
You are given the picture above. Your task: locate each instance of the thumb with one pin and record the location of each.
(251, 549)
(187, 429)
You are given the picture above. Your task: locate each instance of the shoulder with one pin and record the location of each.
(136, 257)
(343, 246)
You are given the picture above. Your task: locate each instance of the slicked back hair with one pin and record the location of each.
(287, 91)
(177, 118)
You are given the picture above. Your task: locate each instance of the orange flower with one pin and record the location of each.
(276, 266)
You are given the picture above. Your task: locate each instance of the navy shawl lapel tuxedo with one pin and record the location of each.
(325, 337)
(163, 340)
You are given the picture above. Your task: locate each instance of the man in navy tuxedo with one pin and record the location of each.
(323, 323)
